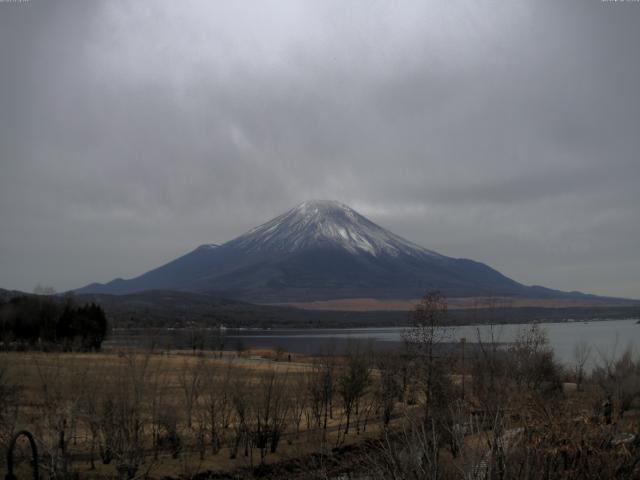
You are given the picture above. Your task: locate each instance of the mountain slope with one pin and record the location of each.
(321, 250)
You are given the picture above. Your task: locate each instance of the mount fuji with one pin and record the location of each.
(322, 250)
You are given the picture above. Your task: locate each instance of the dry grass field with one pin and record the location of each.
(176, 413)
(501, 413)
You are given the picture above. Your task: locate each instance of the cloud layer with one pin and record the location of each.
(506, 132)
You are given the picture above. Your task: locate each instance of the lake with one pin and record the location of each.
(605, 337)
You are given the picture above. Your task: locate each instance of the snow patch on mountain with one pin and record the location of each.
(324, 223)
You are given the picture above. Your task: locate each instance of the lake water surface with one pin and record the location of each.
(605, 337)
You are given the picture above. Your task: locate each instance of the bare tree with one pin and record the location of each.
(428, 329)
(531, 359)
(299, 401)
(190, 378)
(168, 436)
(321, 390)
(60, 389)
(218, 339)
(216, 398)
(269, 412)
(412, 453)
(581, 355)
(491, 378)
(619, 378)
(89, 409)
(127, 425)
(388, 388)
(157, 383)
(353, 381)
(489, 370)
(239, 393)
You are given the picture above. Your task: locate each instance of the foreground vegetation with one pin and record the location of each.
(430, 411)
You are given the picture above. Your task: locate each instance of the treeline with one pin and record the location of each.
(45, 322)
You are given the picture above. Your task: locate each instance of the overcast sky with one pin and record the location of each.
(503, 131)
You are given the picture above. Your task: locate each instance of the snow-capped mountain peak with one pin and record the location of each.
(321, 250)
(326, 223)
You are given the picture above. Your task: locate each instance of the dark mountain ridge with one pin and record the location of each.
(180, 309)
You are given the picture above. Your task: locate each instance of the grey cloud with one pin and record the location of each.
(500, 131)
